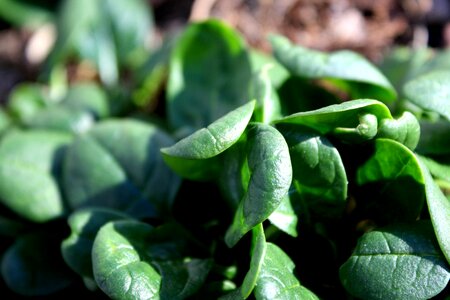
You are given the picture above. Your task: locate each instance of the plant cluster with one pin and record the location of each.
(301, 175)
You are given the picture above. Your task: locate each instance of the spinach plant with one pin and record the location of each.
(297, 175)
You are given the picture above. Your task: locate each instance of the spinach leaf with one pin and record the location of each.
(357, 121)
(25, 100)
(133, 260)
(270, 172)
(33, 266)
(117, 165)
(82, 105)
(209, 75)
(30, 164)
(298, 94)
(398, 262)
(397, 187)
(439, 208)
(318, 171)
(106, 33)
(84, 225)
(430, 91)
(285, 217)
(276, 73)
(268, 104)
(276, 279)
(433, 140)
(345, 69)
(195, 157)
(352, 120)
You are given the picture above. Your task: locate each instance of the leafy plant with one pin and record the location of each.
(305, 175)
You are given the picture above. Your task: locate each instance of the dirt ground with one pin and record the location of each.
(366, 26)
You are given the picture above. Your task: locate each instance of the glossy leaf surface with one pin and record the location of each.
(347, 69)
(84, 225)
(270, 172)
(30, 165)
(398, 184)
(276, 279)
(193, 157)
(209, 75)
(318, 171)
(397, 262)
(117, 165)
(431, 91)
(132, 260)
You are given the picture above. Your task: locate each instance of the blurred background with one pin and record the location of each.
(29, 29)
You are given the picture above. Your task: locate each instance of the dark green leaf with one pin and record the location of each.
(132, 260)
(404, 63)
(431, 91)
(276, 279)
(439, 208)
(268, 104)
(26, 100)
(353, 120)
(194, 156)
(299, 94)
(276, 73)
(84, 225)
(346, 69)
(209, 75)
(106, 33)
(33, 266)
(29, 169)
(117, 165)
(397, 262)
(434, 138)
(405, 129)
(285, 217)
(398, 185)
(318, 171)
(437, 169)
(270, 170)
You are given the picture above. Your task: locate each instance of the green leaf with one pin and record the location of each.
(106, 33)
(353, 120)
(439, 208)
(259, 246)
(84, 225)
(270, 171)
(430, 91)
(318, 171)
(437, 169)
(33, 266)
(403, 63)
(277, 73)
(77, 112)
(209, 75)
(393, 180)
(29, 169)
(117, 165)
(405, 130)
(276, 279)
(25, 14)
(195, 156)
(132, 260)
(434, 137)
(299, 94)
(268, 104)
(347, 70)
(396, 262)
(285, 217)
(25, 100)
